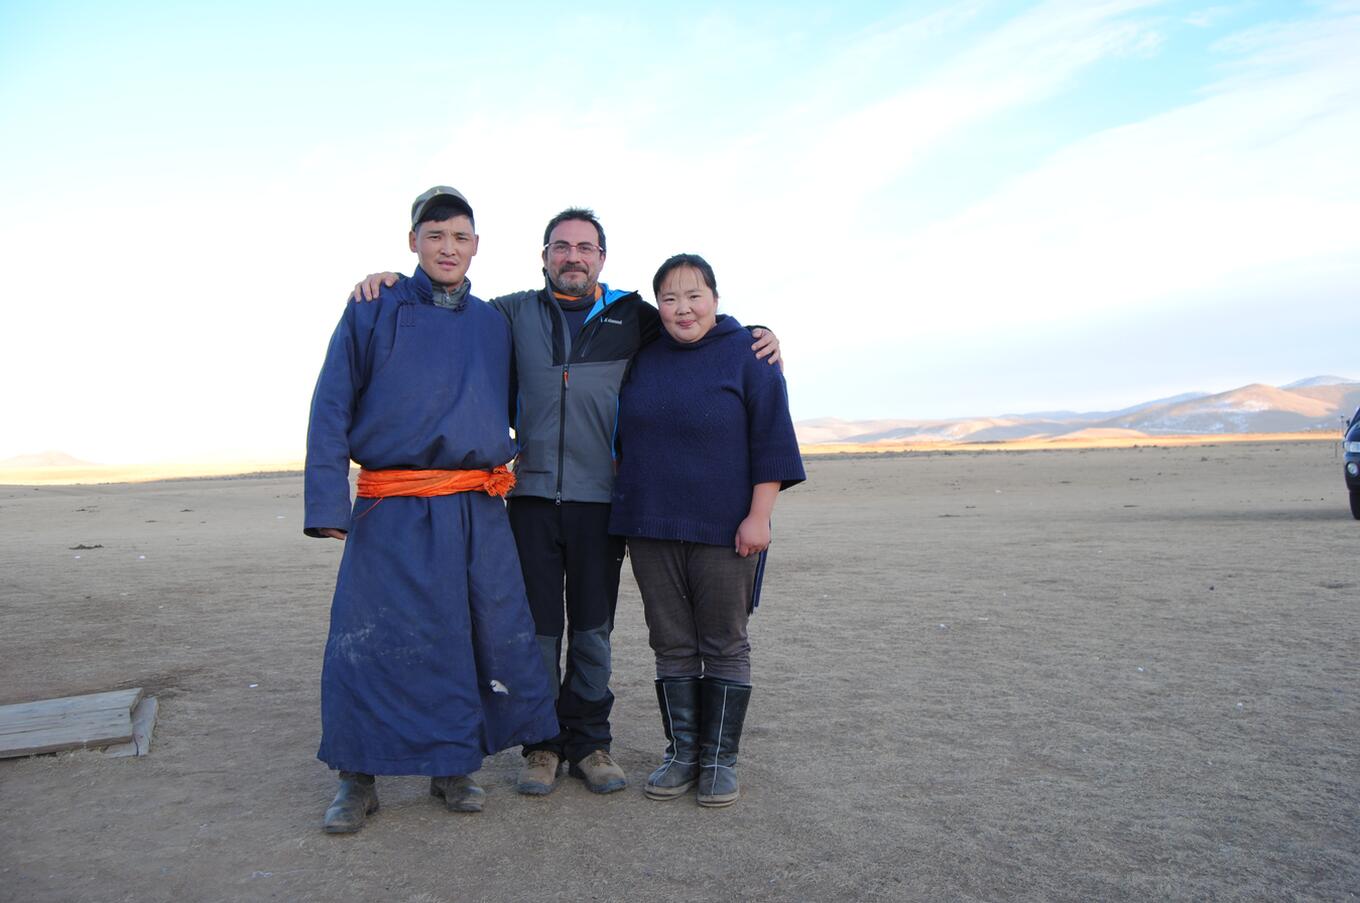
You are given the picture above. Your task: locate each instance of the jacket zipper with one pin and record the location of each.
(583, 340)
(562, 432)
(562, 403)
(577, 351)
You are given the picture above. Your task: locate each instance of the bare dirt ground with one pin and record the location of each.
(1119, 674)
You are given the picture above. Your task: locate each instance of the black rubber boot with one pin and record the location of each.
(723, 706)
(678, 699)
(357, 799)
(459, 792)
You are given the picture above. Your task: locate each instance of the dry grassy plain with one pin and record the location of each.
(1109, 674)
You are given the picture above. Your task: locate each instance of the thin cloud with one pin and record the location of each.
(1196, 198)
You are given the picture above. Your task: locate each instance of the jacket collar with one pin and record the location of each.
(425, 291)
(607, 296)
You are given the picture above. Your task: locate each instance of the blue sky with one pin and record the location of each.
(944, 209)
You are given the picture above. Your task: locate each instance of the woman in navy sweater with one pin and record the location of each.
(706, 445)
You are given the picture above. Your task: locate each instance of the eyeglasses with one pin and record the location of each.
(563, 248)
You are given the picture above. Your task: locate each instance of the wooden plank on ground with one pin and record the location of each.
(71, 722)
(143, 723)
(115, 699)
(77, 735)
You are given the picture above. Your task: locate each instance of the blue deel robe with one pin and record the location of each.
(431, 663)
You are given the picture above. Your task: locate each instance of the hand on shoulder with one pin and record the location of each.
(370, 288)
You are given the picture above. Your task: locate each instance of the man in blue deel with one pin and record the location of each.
(431, 663)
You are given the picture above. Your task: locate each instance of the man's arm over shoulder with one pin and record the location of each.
(510, 305)
(649, 322)
(766, 345)
(370, 287)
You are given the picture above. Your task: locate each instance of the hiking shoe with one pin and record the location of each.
(600, 772)
(538, 774)
(459, 792)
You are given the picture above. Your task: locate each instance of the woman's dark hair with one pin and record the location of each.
(685, 260)
(584, 214)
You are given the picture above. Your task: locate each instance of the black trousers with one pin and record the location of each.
(571, 572)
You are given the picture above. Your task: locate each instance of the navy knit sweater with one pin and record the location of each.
(699, 425)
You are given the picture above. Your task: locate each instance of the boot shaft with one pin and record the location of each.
(678, 700)
(723, 706)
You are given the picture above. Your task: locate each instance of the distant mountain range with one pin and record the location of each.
(1317, 403)
(44, 459)
(1312, 404)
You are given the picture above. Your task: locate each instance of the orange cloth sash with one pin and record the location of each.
(381, 484)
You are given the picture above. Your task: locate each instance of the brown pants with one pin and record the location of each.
(695, 598)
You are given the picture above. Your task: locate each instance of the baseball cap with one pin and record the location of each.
(435, 195)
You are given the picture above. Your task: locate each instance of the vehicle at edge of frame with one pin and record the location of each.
(1351, 444)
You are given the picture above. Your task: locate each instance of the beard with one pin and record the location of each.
(573, 282)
